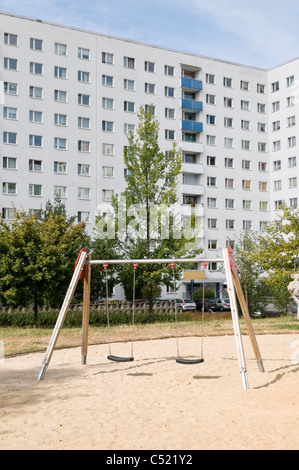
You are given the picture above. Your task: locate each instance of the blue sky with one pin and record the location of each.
(262, 33)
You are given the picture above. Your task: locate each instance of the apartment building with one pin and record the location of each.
(70, 97)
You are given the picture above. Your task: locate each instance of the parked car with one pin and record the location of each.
(209, 305)
(185, 304)
(222, 304)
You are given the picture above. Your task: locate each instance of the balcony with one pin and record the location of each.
(192, 189)
(193, 147)
(191, 104)
(192, 126)
(192, 84)
(196, 168)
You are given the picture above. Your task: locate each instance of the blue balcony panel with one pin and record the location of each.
(192, 104)
(191, 84)
(192, 126)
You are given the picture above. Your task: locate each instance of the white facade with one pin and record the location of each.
(69, 96)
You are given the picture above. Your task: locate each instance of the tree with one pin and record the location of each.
(37, 258)
(145, 220)
(278, 253)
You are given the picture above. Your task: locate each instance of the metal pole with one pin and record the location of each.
(62, 314)
(235, 318)
(85, 312)
(155, 261)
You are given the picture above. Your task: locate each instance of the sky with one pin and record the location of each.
(260, 33)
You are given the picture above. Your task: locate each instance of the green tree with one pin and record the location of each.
(141, 224)
(279, 252)
(37, 258)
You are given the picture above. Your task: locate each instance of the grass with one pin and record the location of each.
(27, 340)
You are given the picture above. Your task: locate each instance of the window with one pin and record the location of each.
(292, 162)
(35, 116)
(83, 146)
(229, 163)
(211, 161)
(277, 185)
(229, 224)
(211, 119)
(60, 119)
(278, 205)
(276, 145)
(210, 79)
(276, 126)
(293, 182)
(246, 184)
(10, 39)
(35, 190)
(10, 64)
(8, 213)
(10, 138)
(83, 53)
(247, 224)
(212, 223)
(60, 95)
(129, 106)
(262, 166)
(227, 82)
(9, 113)
(277, 165)
(263, 206)
(36, 44)
(169, 91)
(83, 169)
(211, 140)
(35, 165)
(107, 195)
(261, 127)
(228, 122)
(294, 202)
(275, 106)
(60, 143)
(211, 181)
(244, 85)
(246, 165)
(36, 92)
(107, 80)
(212, 202)
(263, 186)
(108, 172)
(9, 188)
(290, 81)
(83, 193)
(108, 149)
(245, 105)
(150, 88)
(291, 121)
(9, 163)
(59, 72)
(129, 62)
(169, 134)
(260, 88)
(83, 123)
(129, 128)
(229, 203)
(169, 113)
(107, 58)
(108, 126)
(60, 49)
(292, 141)
(10, 88)
(84, 217)
(83, 100)
(274, 87)
(228, 102)
(60, 167)
(228, 142)
(245, 144)
(262, 147)
(149, 66)
(36, 68)
(83, 76)
(261, 108)
(212, 244)
(189, 158)
(210, 99)
(129, 84)
(229, 183)
(263, 225)
(60, 191)
(290, 101)
(245, 125)
(169, 70)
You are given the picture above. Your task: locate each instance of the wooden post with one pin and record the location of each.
(86, 308)
(245, 311)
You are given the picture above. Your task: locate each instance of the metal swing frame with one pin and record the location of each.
(83, 269)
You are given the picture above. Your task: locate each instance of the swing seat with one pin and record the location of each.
(181, 360)
(120, 359)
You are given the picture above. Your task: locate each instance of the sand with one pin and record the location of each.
(153, 403)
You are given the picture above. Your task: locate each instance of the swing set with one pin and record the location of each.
(83, 270)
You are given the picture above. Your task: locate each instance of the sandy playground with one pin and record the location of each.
(154, 403)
